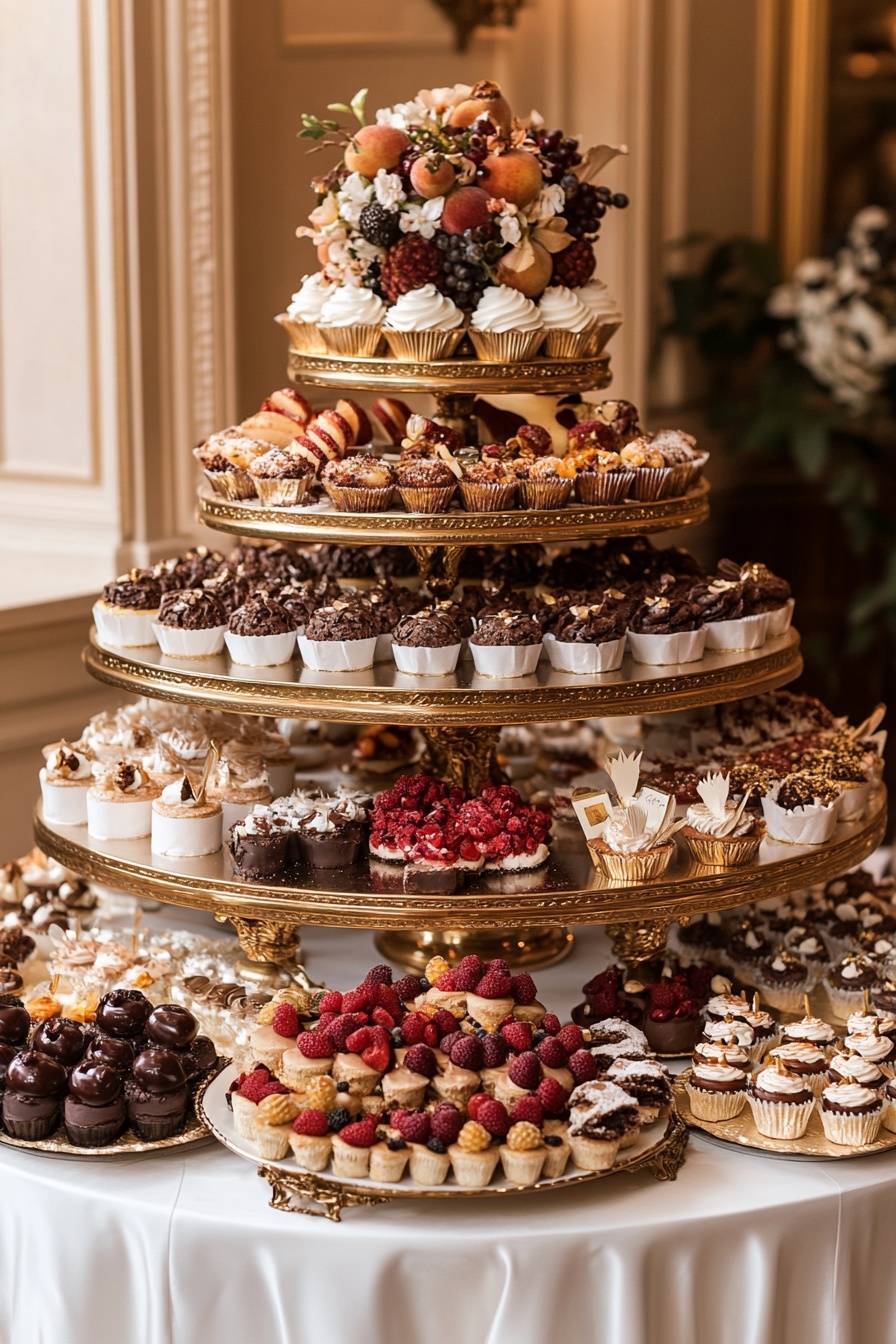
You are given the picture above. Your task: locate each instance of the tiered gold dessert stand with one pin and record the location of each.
(521, 916)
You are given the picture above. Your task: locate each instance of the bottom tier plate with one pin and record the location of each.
(660, 1147)
(741, 1132)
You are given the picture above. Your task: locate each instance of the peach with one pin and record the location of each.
(534, 278)
(515, 176)
(374, 147)
(485, 100)
(466, 208)
(431, 178)
(357, 419)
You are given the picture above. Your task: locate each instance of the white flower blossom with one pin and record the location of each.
(388, 189)
(422, 219)
(352, 196)
(509, 225)
(366, 252)
(549, 202)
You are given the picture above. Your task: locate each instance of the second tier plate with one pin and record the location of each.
(382, 694)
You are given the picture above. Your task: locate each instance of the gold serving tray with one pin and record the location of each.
(574, 522)
(382, 694)
(660, 1149)
(386, 374)
(566, 890)
(742, 1133)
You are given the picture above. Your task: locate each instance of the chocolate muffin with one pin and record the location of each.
(116, 1051)
(511, 629)
(665, 616)
(261, 615)
(192, 609)
(719, 600)
(432, 629)
(15, 1021)
(156, 1094)
(94, 1111)
(589, 625)
(342, 621)
(259, 846)
(35, 1085)
(138, 590)
(7, 1054)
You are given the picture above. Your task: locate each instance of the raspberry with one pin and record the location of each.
(529, 1109)
(315, 1045)
(285, 1020)
(325, 1020)
(467, 1052)
(412, 1028)
(253, 1084)
(407, 988)
(361, 1134)
(522, 987)
(385, 997)
(492, 1115)
(378, 1055)
(414, 1126)
(661, 1014)
(383, 1019)
(550, 1024)
(446, 1125)
(445, 1021)
(574, 266)
(687, 1008)
(357, 1000)
(413, 262)
(449, 1041)
(665, 995)
(343, 1027)
(339, 1119)
(552, 1053)
(359, 1040)
(431, 1034)
(315, 1123)
(525, 1071)
(420, 1059)
(494, 1051)
(518, 1035)
(478, 1099)
(552, 1096)
(331, 1002)
(571, 1038)
(468, 973)
(493, 985)
(379, 975)
(270, 1087)
(446, 983)
(497, 966)
(582, 1066)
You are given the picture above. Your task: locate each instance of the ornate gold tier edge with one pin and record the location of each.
(449, 708)
(668, 901)
(575, 523)
(542, 374)
(323, 1198)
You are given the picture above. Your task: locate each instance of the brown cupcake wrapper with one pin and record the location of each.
(500, 347)
(30, 1130)
(695, 469)
(604, 487)
(151, 1130)
(303, 336)
(233, 485)
(426, 498)
(492, 498)
(544, 494)
(569, 344)
(358, 340)
(355, 499)
(94, 1136)
(652, 483)
(423, 345)
(285, 492)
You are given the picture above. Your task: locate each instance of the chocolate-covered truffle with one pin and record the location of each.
(61, 1039)
(159, 1071)
(33, 1074)
(171, 1026)
(7, 1053)
(94, 1084)
(123, 1012)
(15, 1022)
(116, 1051)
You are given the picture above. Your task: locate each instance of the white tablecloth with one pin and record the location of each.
(182, 1248)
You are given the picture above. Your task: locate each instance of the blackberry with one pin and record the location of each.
(395, 1145)
(339, 1119)
(342, 1087)
(371, 279)
(379, 225)
(435, 1146)
(552, 1140)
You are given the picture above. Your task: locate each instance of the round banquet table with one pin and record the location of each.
(182, 1248)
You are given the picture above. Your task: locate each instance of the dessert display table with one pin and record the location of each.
(741, 1249)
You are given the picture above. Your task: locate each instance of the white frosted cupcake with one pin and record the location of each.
(718, 832)
(351, 321)
(716, 1091)
(807, 1061)
(119, 802)
(505, 326)
(64, 782)
(781, 1103)
(851, 1114)
(184, 826)
(605, 312)
(568, 324)
(303, 314)
(423, 324)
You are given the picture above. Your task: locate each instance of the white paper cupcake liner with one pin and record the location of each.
(585, 659)
(784, 998)
(426, 662)
(337, 655)
(64, 804)
(812, 825)
(261, 650)
(177, 643)
(685, 646)
(888, 1119)
(505, 660)
(844, 1001)
(185, 837)
(779, 619)
(854, 801)
(853, 1131)
(715, 1106)
(748, 632)
(781, 1120)
(130, 820)
(281, 493)
(124, 629)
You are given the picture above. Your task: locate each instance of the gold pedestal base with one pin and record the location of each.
(523, 949)
(272, 950)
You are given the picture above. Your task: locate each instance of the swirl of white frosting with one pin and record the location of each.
(810, 1029)
(725, 1074)
(863, 1024)
(778, 1084)
(599, 301)
(60, 764)
(617, 836)
(716, 1051)
(173, 794)
(310, 297)
(875, 1048)
(707, 822)
(424, 309)
(349, 305)
(723, 1004)
(504, 309)
(562, 310)
(799, 1052)
(852, 1096)
(737, 1028)
(854, 1066)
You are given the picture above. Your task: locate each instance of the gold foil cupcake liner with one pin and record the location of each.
(544, 494)
(426, 498)
(853, 1131)
(604, 487)
(715, 1106)
(282, 492)
(726, 851)
(423, 345)
(781, 1119)
(481, 497)
(644, 867)
(506, 347)
(569, 344)
(233, 485)
(679, 479)
(357, 499)
(601, 333)
(359, 340)
(652, 483)
(303, 336)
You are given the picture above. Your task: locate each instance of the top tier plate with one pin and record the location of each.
(474, 376)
